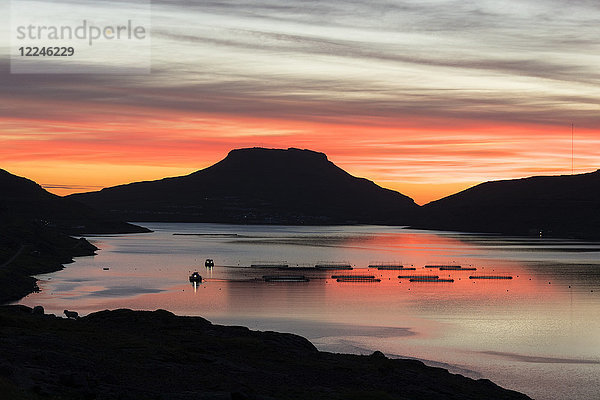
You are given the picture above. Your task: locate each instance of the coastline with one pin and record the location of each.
(29, 249)
(156, 354)
(230, 362)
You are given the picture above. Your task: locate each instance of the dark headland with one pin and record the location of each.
(125, 354)
(257, 185)
(566, 206)
(24, 200)
(35, 233)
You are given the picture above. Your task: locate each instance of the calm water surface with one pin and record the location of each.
(538, 333)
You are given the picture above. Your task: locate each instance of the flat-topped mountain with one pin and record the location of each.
(258, 185)
(24, 201)
(561, 206)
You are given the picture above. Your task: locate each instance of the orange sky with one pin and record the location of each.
(427, 100)
(423, 162)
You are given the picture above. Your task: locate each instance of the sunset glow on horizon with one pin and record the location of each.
(424, 98)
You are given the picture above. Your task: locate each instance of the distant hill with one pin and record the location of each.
(560, 206)
(258, 185)
(23, 201)
(34, 233)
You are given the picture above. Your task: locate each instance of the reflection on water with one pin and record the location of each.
(538, 333)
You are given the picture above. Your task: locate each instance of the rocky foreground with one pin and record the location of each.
(126, 354)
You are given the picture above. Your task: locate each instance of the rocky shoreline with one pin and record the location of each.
(28, 249)
(124, 354)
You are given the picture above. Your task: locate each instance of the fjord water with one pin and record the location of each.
(538, 333)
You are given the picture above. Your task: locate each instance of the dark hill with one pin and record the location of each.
(141, 355)
(24, 201)
(34, 233)
(561, 206)
(258, 186)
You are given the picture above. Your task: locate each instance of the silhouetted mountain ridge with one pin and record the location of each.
(259, 185)
(24, 201)
(294, 186)
(562, 206)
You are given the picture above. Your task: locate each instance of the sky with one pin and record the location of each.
(424, 97)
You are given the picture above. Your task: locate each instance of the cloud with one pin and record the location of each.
(74, 188)
(394, 90)
(341, 60)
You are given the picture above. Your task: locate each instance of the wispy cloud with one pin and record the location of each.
(75, 188)
(400, 91)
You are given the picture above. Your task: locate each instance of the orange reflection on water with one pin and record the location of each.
(242, 291)
(547, 310)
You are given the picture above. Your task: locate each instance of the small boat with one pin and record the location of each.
(458, 269)
(195, 277)
(209, 263)
(285, 278)
(418, 277)
(333, 266)
(430, 280)
(450, 267)
(490, 277)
